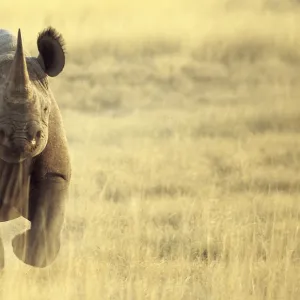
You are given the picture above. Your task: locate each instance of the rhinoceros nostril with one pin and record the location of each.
(34, 133)
(38, 134)
(2, 134)
(35, 137)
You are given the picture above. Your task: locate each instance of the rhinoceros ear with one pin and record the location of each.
(51, 47)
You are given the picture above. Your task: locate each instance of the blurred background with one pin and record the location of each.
(183, 121)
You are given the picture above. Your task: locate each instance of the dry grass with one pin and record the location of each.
(184, 134)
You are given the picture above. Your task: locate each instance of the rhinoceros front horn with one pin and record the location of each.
(18, 83)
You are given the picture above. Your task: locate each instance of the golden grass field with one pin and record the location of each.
(183, 121)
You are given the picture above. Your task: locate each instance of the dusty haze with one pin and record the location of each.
(183, 122)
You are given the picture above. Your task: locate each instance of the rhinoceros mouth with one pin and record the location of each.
(10, 156)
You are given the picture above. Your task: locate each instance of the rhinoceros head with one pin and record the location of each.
(25, 98)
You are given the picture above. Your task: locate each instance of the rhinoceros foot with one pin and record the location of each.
(36, 251)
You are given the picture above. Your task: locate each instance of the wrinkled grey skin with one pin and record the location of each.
(34, 159)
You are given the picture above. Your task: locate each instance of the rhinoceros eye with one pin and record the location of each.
(45, 109)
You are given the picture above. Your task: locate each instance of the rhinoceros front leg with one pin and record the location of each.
(40, 245)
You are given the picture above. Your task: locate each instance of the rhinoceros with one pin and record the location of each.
(35, 168)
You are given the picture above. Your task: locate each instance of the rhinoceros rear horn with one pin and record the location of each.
(50, 44)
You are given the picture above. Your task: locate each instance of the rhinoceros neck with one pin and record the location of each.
(8, 43)
(8, 46)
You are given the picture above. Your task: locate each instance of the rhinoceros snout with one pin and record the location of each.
(21, 145)
(23, 140)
